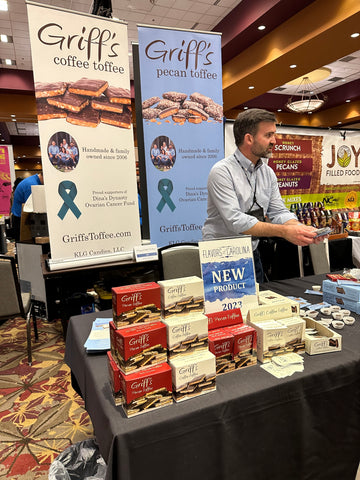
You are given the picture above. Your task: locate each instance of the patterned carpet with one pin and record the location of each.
(40, 413)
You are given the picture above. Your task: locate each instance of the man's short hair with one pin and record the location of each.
(248, 122)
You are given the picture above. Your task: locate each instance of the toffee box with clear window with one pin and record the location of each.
(181, 296)
(136, 304)
(193, 375)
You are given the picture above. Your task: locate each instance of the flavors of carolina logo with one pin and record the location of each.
(226, 251)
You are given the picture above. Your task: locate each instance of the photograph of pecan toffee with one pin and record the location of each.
(180, 108)
(85, 103)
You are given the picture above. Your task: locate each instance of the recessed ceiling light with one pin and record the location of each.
(3, 38)
(355, 35)
(279, 110)
(4, 5)
(13, 119)
(245, 108)
(12, 115)
(8, 61)
(347, 101)
(293, 65)
(261, 27)
(251, 87)
(339, 123)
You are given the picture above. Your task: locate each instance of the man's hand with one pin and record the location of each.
(301, 235)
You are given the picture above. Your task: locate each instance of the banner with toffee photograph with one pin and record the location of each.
(181, 92)
(82, 89)
(5, 179)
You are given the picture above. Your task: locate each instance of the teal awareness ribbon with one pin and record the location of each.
(68, 191)
(165, 187)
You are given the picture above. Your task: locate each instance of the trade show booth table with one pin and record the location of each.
(254, 426)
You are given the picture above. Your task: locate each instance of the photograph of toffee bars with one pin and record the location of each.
(85, 102)
(178, 107)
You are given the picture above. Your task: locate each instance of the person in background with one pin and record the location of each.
(21, 194)
(53, 151)
(155, 153)
(243, 194)
(74, 153)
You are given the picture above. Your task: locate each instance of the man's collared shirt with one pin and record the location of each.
(231, 186)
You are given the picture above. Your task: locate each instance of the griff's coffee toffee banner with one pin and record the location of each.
(82, 89)
(181, 91)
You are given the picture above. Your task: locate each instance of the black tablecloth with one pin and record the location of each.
(254, 426)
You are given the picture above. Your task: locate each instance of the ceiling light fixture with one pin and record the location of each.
(4, 5)
(251, 87)
(261, 27)
(293, 65)
(355, 35)
(309, 101)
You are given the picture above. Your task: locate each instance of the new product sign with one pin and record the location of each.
(82, 83)
(228, 274)
(181, 91)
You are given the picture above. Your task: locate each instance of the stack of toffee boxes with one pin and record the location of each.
(159, 344)
(279, 327)
(233, 343)
(139, 374)
(343, 292)
(193, 366)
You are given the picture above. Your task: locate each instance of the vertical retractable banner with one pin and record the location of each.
(81, 72)
(5, 181)
(181, 91)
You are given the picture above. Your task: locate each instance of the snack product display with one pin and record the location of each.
(196, 109)
(85, 103)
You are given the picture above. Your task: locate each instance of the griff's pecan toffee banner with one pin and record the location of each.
(82, 90)
(182, 113)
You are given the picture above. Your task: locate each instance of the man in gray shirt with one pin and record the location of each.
(242, 190)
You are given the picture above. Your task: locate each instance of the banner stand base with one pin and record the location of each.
(66, 263)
